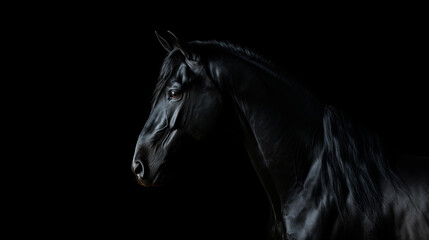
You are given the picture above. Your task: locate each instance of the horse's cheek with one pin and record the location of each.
(174, 119)
(211, 114)
(202, 117)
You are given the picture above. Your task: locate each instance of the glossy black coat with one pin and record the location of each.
(326, 177)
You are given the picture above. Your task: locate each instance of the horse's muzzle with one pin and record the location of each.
(142, 176)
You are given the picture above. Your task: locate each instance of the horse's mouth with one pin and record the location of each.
(156, 182)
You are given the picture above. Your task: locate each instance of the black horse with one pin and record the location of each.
(326, 177)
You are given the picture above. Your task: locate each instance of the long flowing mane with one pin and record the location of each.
(353, 162)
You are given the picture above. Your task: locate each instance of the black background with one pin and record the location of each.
(92, 72)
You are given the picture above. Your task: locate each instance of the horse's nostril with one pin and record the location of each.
(138, 168)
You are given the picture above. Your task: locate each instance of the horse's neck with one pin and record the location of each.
(277, 122)
(277, 117)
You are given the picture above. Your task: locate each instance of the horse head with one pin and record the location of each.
(186, 105)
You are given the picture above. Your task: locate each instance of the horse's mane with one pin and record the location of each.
(246, 54)
(238, 50)
(352, 165)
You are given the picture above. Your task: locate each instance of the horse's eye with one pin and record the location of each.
(174, 94)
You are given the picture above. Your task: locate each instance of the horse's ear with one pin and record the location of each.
(163, 42)
(178, 44)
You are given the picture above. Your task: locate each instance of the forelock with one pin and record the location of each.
(170, 66)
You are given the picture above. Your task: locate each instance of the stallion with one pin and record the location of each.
(326, 176)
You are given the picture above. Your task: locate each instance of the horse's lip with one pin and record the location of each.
(142, 182)
(147, 183)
